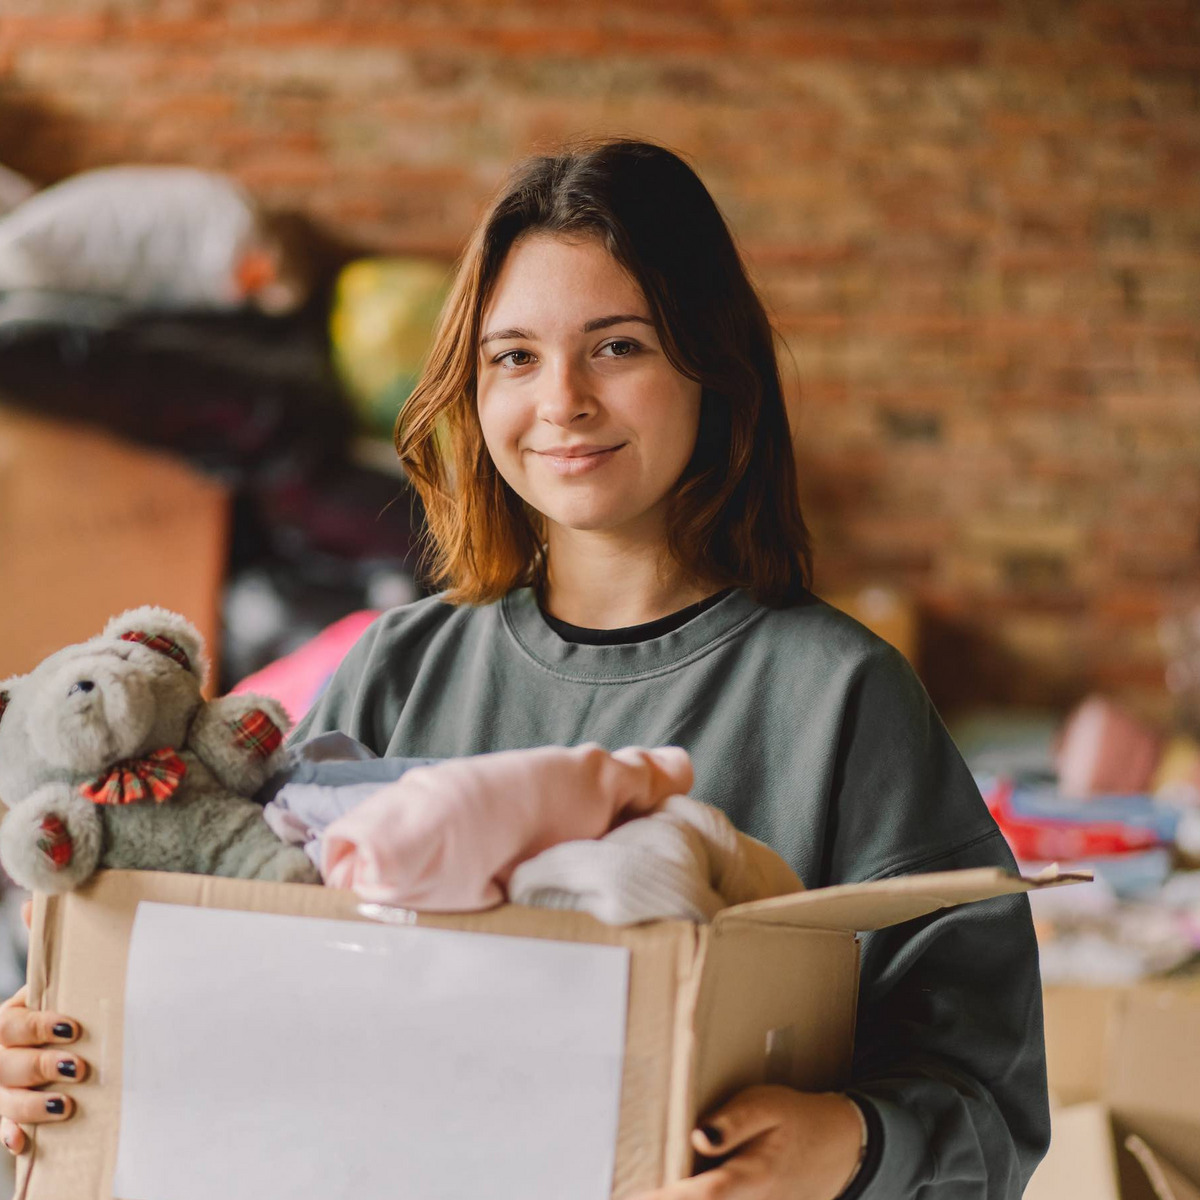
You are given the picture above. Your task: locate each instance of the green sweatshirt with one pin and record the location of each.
(816, 737)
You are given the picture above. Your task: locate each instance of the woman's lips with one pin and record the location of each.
(577, 464)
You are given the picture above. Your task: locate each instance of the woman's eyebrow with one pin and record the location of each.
(605, 322)
(499, 335)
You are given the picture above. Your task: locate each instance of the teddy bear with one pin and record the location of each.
(111, 757)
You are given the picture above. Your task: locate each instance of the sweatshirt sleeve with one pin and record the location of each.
(949, 1056)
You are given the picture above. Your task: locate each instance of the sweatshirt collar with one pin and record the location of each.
(525, 624)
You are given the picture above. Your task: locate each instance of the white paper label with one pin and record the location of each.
(271, 1057)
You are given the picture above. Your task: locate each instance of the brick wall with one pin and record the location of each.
(977, 223)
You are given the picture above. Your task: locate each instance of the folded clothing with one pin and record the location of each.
(1110, 825)
(685, 861)
(325, 777)
(448, 836)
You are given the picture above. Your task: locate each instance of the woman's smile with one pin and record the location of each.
(577, 460)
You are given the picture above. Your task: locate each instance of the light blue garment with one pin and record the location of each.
(1046, 803)
(333, 760)
(325, 778)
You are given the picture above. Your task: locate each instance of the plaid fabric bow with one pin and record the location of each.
(157, 777)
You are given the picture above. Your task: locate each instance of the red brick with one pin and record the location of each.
(974, 225)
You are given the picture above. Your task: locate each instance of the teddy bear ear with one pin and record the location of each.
(165, 631)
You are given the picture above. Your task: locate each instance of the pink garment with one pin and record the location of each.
(1104, 749)
(448, 836)
(297, 679)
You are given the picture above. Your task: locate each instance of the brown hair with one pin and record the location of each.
(734, 516)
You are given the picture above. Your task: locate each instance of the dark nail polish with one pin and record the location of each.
(64, 1029)
(712, 1133)
(67, 1068)
(56, 1105)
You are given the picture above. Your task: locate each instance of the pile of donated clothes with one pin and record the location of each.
(613, 834)
(1106, 790)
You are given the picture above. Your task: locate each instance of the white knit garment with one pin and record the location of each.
(686, 862)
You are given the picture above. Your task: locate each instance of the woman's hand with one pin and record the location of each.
(30, 1056)
(782, 1145)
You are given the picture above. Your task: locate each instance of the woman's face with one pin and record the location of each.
(581, 412)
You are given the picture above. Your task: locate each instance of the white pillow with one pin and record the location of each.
(158, 237)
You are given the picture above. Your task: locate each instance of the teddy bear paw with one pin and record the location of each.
(241, 740)
(51, 841)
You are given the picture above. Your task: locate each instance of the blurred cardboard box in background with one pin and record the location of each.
(1124, 1066)
(91, 526)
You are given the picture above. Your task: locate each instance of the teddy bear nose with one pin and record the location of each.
(82, 685)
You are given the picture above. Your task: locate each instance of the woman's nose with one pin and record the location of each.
(566, 395)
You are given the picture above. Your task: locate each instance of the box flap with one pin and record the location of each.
(1168, 1183)
(875, 905)
(1082, 1162)
(678, 1154)
(1154, 1069)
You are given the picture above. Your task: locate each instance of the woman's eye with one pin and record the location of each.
(507, 358)
(622, 348)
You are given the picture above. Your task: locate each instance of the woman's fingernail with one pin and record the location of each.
(56, 1105)
(712, 1133)
(67, 1068)
(64, 1029)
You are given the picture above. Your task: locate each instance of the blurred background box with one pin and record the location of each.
(91, 526)
(1123, 1064)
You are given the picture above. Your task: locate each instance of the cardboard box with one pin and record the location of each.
(90, 526)
(1124, 1068)
(767, 992)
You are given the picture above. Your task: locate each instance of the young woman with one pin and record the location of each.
(601, 444)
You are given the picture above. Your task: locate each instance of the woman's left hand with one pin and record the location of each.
(782, 1145)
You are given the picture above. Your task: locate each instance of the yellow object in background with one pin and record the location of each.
(382, 320)
(1177, 778)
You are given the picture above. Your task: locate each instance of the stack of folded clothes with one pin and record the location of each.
(613, 834)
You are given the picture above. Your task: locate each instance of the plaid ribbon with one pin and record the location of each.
(164, 645)
(157, 777)
(255, 731)
(55, 842)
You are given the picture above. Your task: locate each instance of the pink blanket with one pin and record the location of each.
(448, 836)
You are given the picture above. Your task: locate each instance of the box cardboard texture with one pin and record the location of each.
(91, 525)
(766, 993)
(1124, 1068)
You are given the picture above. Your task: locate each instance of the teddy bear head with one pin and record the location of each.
(133, 689)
